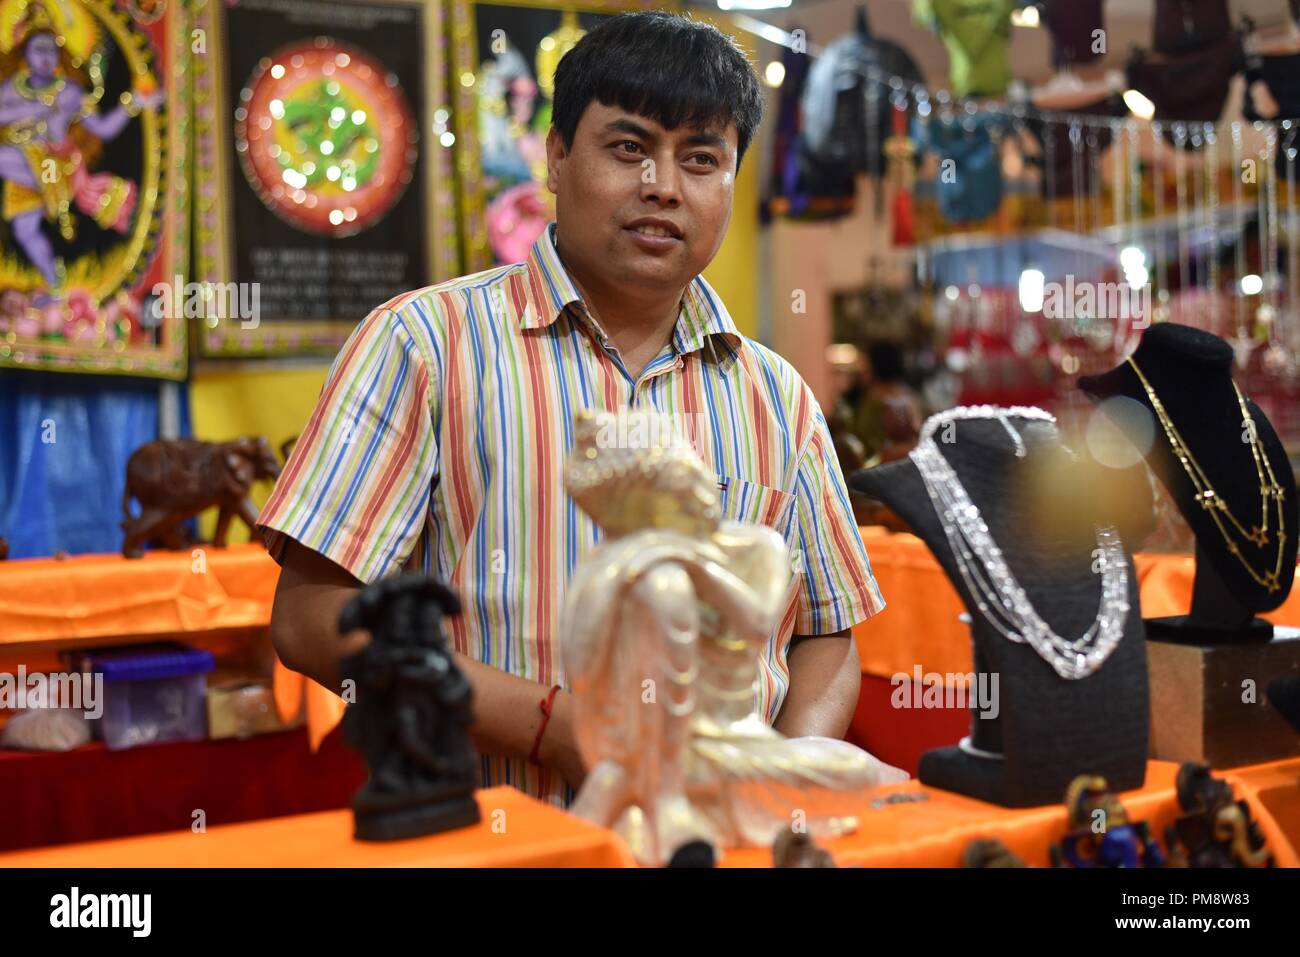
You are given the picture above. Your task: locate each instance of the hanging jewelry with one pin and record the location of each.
(1242, 343)
(1212, 213)
(1158, 215)
(1180, 193)
(1293, 252)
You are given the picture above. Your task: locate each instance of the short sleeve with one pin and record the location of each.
(836, 588)
(357, 485)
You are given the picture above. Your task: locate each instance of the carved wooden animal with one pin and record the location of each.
(176, 479)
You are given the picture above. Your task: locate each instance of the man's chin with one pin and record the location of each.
(649, 272)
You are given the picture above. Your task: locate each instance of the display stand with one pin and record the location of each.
(1190, 373)
(1220, 459)
(1046, 729)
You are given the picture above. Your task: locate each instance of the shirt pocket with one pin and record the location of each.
(754, 504)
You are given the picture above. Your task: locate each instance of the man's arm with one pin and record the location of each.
(825, 678)
(304, 629)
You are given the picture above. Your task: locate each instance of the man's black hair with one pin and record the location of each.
(670, 68)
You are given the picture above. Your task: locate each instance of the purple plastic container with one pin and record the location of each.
(152, 693)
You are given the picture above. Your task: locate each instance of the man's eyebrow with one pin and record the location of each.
(627, 126)
(707, 139)
(704, 138)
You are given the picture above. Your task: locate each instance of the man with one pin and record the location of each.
(439, 438)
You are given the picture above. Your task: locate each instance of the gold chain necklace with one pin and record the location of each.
(22, 83)
(1215, 504)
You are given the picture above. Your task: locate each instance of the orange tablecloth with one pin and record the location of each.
(929, 833)
(516, 831)
(108, 596)
(95, 596)
(919, 625)
(933, 832)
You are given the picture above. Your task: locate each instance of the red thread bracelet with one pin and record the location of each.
(547, 704)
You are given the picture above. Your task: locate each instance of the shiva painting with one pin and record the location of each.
(518, 48)
(92, 185)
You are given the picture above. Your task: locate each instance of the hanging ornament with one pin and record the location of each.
(1100, 335)
(900, 152)
(1242, 346)
(1264, 316)
(1277, 362)
(1025, 339)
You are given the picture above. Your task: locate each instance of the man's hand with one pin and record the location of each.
(304, 629)
(825, 679)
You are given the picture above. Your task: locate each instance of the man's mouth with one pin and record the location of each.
(655, 232)
(652, 231)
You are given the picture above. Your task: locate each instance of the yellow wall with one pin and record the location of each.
(252, 400)
(734, 272)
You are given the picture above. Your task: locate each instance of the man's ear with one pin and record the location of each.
(555, 156)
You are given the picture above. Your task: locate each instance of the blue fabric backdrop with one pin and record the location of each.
(64, 442)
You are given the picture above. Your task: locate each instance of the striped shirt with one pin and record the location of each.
(438, 442)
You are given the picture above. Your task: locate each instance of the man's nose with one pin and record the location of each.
(661, 181)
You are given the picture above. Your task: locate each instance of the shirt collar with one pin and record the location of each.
(703, 313)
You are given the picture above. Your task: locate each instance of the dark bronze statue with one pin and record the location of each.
(4, 549)
(411, 712)
(176, 479)
(1214, 830)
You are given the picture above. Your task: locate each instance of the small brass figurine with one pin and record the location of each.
(411, 714)
(1101, 834)
(176, 479)
(662, 630)
(1214, 830)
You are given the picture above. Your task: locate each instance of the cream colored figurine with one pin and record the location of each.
(663, 626)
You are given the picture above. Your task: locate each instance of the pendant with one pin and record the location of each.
(1242, 347)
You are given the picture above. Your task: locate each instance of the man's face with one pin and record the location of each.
(624, 171)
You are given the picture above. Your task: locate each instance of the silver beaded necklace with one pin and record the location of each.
(998, 595)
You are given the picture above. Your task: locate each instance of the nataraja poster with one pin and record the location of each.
(318, 172)
(93, 190)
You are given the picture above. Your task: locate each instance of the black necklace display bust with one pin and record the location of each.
(1228, 473)
(1239, 572)
(1046, 729)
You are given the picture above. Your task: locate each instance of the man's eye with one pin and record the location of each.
(625, 143)
(704, 159)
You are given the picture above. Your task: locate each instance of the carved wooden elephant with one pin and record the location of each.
(176, 479)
